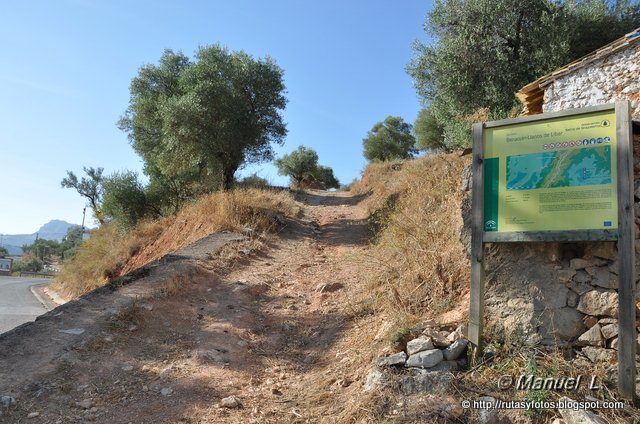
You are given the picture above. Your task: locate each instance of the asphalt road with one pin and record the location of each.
(17, 304)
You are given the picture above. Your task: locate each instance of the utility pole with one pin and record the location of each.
(84, 212)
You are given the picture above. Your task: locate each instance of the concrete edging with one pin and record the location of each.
(37, 295)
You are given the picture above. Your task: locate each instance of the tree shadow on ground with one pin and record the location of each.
(327, 199)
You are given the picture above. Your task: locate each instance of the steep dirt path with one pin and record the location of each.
(263, 329)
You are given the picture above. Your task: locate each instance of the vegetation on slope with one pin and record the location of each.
(420, 263)
(480, 52)
(112, 251)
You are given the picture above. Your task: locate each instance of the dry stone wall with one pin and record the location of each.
(616, 77)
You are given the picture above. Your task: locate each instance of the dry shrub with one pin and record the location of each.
(95, 262)
(543, 364)
(172, 287)
(422, 266)
(221, 211)
(111, 252)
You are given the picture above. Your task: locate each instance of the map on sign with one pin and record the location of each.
(556, 174)
(565, 168)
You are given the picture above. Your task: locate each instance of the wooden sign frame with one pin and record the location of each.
(624, 235)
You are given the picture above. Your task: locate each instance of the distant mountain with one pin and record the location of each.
(55, 230)
(52, 230)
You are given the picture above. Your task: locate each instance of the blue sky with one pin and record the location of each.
(67, 65)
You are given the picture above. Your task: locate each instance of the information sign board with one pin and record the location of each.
(553, 174)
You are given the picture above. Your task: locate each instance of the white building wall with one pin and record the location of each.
(616, 77)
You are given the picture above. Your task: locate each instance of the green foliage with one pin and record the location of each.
(167, 194)
(196, 122)
(428, 132)
(325, 176)
(3, 252)
(121, 197)
(389, 140)
(89, 187)
(302, 164)
(400, 335)
(593, 23)
(535, 395)
(28, 263)
(42, 248)
(486, 50)
(124, 198)
(299, 164)
(254, 181)
(70, 243)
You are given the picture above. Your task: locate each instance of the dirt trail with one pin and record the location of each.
(262, 330)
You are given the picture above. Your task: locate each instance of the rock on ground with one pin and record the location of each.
(85, 404)
(487, 416)
(7, 401)
(425, 359)
(599, 354)
(230, 402)
(396, 359)
(592, 337)
(454, 351)
(375, 379)
(578, 416)
(419, 381)
(439, 338)
(418, 345)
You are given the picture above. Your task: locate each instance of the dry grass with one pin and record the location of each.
(421, 265)
(86, 271)
(543, 364)
(111, 252)
(415, 268)
(418, 269)
(172, 287)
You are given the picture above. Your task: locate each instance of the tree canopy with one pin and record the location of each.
(198, 122)
(486, 50)
(124, 198)
(325, 176)
(89, 187)
(428, 131)
(299, 164)
(389, 140)
(302, 164)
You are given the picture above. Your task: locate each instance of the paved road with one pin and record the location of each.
(17, 304)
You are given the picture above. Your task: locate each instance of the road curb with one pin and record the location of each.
(54, 296)
(37, 295)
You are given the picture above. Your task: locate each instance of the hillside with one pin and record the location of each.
(295, 314)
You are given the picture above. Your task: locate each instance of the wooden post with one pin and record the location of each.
(626, 255)
(476, 308)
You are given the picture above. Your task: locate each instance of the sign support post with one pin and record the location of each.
(626, 256)
(476, 313)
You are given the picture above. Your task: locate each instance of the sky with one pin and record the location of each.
(67, 65)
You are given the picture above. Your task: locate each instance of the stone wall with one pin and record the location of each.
(565, 294)
(616, 77)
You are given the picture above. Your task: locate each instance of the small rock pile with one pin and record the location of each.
(432, 348)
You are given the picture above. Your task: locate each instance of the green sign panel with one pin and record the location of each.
(554, 174)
